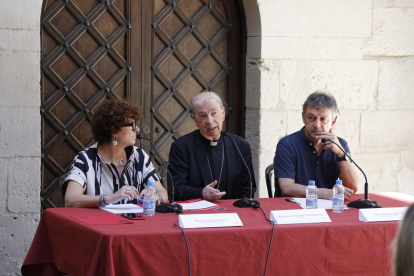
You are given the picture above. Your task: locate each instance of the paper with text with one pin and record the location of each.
(322, 203)
(382, 214)
(197, 205)
(210, 220)
(299, 216)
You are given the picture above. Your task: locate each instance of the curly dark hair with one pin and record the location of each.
(110, 116)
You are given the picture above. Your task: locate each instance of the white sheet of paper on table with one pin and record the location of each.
(198, 205)
(123, 208)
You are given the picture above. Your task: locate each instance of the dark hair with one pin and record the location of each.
(321, 99)
(404, 246)
(110, 116)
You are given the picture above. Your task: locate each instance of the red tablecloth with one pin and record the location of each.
(155, 246)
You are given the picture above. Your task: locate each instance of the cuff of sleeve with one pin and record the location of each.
(200, 193)
(76, 178)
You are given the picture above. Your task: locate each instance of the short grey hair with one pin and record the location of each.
(322, 99)
(205, 97)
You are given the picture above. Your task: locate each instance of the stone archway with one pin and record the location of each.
(254, 68)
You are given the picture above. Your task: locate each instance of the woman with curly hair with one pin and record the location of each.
(112, 170)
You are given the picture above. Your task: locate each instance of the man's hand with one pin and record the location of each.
(347, 193)
(329, 145)
(328, 193)
(211, 194)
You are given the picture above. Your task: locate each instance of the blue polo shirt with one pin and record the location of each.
(296, 158)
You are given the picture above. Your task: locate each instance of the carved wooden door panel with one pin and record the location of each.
(90, 51)
(156, 53)
(195, 46)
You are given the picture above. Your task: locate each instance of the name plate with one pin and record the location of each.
(210, 220)
(299, 216)
(382, 214)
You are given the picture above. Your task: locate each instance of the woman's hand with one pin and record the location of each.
(128, 192)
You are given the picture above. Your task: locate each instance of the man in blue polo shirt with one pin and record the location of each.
(302, 156)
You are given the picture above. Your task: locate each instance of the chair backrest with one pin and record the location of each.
(273, 188)
(163, 174)
(269, 177)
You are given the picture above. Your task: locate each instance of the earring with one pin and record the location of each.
(115, 142)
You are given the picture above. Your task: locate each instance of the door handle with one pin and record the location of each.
(145, 129)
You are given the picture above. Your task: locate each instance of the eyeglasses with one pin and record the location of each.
(133, 124)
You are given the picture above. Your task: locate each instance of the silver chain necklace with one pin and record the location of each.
(221, 170)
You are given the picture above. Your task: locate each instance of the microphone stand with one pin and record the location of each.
(245, 202)
(166, 207)
(360, 203)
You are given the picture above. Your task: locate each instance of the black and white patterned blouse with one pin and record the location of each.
(98, 177)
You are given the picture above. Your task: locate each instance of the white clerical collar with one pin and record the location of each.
(213, 143)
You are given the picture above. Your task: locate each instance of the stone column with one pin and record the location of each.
(19, 130)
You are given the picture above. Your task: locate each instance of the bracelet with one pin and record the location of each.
(103, 200)
(100, 201)
(161, 199)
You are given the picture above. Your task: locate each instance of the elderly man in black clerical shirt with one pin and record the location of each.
(209, 163)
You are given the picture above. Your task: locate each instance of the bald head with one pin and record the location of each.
(203, 98)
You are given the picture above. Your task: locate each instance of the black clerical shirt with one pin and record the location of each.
(215, 160)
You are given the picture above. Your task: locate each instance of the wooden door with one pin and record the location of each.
(90, 51)
(156, 53)
(195, 46)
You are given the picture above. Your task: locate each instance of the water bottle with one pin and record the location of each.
(311, 195)
(150, 199)
(338, 197)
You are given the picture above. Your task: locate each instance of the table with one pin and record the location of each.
(154, 246)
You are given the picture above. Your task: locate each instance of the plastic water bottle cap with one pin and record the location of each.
(311, 182)
(338, 182)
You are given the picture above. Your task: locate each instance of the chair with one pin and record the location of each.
(162, 172)
(271, 183)
(269, 177)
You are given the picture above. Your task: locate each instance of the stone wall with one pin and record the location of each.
(19, 130)
(360, 50)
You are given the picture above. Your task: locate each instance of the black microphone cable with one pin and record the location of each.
(246, 202)
(271, 239)
(254, 203)
(188, 248)
(171, 207)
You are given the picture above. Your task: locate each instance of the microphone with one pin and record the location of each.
(245, 202)
(166, 207)
(360, 203)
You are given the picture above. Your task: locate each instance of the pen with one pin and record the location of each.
(291, 200)
(140, 199)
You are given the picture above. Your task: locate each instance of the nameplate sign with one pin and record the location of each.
(210, 220)
(382, 214)
(299, 216)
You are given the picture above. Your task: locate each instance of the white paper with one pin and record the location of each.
(210, 220)
(299, 216)
(123, 208)
(382, 214)
(198, 205)
(322, 203)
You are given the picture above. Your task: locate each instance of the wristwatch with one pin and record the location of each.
(339, 159)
